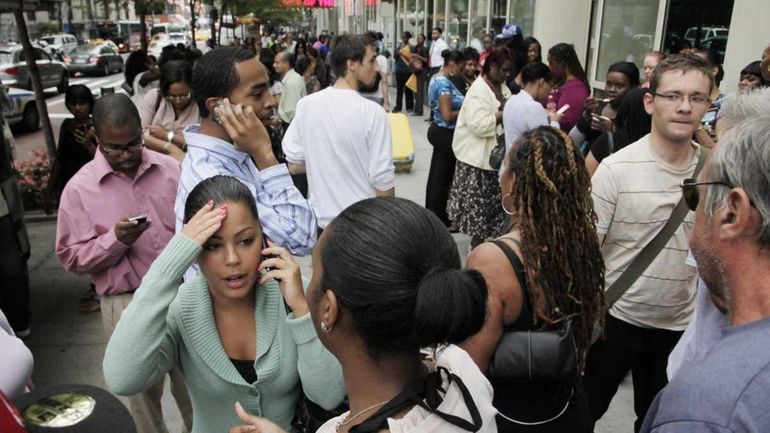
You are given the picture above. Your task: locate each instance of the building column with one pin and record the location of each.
(564, 21)
(749, 35)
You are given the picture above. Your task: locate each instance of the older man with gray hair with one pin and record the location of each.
(705, 328)
(727, 390)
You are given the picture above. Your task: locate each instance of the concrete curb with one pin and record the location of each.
(38, 216)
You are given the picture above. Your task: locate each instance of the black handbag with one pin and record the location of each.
(548, 354)
(309, 417)
(498, 153)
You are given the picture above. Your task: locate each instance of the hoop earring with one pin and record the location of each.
(325, 328)
(502, 204)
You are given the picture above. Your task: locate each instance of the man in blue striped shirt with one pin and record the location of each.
(230, 87)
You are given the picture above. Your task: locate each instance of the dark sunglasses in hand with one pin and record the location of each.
(690, 191)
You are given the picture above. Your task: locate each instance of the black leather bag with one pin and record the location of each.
(309, 417)
(548, 354)
(544, 355)
(497, 154)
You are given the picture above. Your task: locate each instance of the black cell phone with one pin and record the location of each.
(142, 218)
(265, 245)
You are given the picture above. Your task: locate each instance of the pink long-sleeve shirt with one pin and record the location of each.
(95, 199)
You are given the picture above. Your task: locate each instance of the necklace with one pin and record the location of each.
(348, 420)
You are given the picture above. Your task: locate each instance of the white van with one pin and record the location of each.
(62, 42)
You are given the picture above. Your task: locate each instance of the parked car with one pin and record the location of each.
(717, 43)
(63, 42)
(705, 33)
(15, 73)
(95, 58)
(22, 110)
(179, 38)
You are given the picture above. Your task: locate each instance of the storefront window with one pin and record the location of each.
(707, 29)
(413, 20)
(627, 32)
(439, 15)
(523, 13)
(478, 22)
(456, 33)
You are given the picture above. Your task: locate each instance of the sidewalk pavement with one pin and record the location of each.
(69, 346)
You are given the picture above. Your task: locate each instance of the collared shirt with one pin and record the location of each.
(285, 215)
(294, 89)
(436, 48)
(95, 199)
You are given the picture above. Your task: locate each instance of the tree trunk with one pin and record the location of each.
(192, 22)
(143, 24)
(69, 16)
(37, 86)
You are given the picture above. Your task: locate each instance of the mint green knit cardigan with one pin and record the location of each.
(167, 324)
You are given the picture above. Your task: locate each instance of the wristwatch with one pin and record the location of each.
(169, 136)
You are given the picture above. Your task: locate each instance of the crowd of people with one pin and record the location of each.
(624, 231)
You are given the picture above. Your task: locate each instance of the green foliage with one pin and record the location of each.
(267, 11)
(48, 27)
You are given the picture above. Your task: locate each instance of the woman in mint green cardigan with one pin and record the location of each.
(227, 330)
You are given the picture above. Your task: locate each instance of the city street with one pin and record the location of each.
(27, 142)
(69, 346)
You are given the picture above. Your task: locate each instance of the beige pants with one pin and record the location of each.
(145, 407)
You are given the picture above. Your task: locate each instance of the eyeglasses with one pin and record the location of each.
(678, 98)
(690, 191)
(117, 150)
(179, 98)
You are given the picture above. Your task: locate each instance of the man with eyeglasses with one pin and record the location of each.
(727, 390)
(635, 191)
(115, 216)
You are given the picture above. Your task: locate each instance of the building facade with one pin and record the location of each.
(602, 31)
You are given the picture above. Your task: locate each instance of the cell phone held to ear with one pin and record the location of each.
(269, 256)
(219, 106)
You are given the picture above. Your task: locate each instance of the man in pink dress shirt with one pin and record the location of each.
(94, 235)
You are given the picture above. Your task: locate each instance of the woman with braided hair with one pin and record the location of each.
(548, 267)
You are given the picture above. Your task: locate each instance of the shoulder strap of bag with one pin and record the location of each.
(426, 393)
(654, 247)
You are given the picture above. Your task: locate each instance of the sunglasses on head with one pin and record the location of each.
(690, 191)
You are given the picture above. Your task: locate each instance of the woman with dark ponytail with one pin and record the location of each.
(387, 282)
(547, 268)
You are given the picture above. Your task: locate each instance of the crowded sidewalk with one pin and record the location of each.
(69, 347)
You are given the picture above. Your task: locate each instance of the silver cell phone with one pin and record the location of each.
(220, 104)
(142, 218)
(563, 109)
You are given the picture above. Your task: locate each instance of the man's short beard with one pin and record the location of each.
(712, 271)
